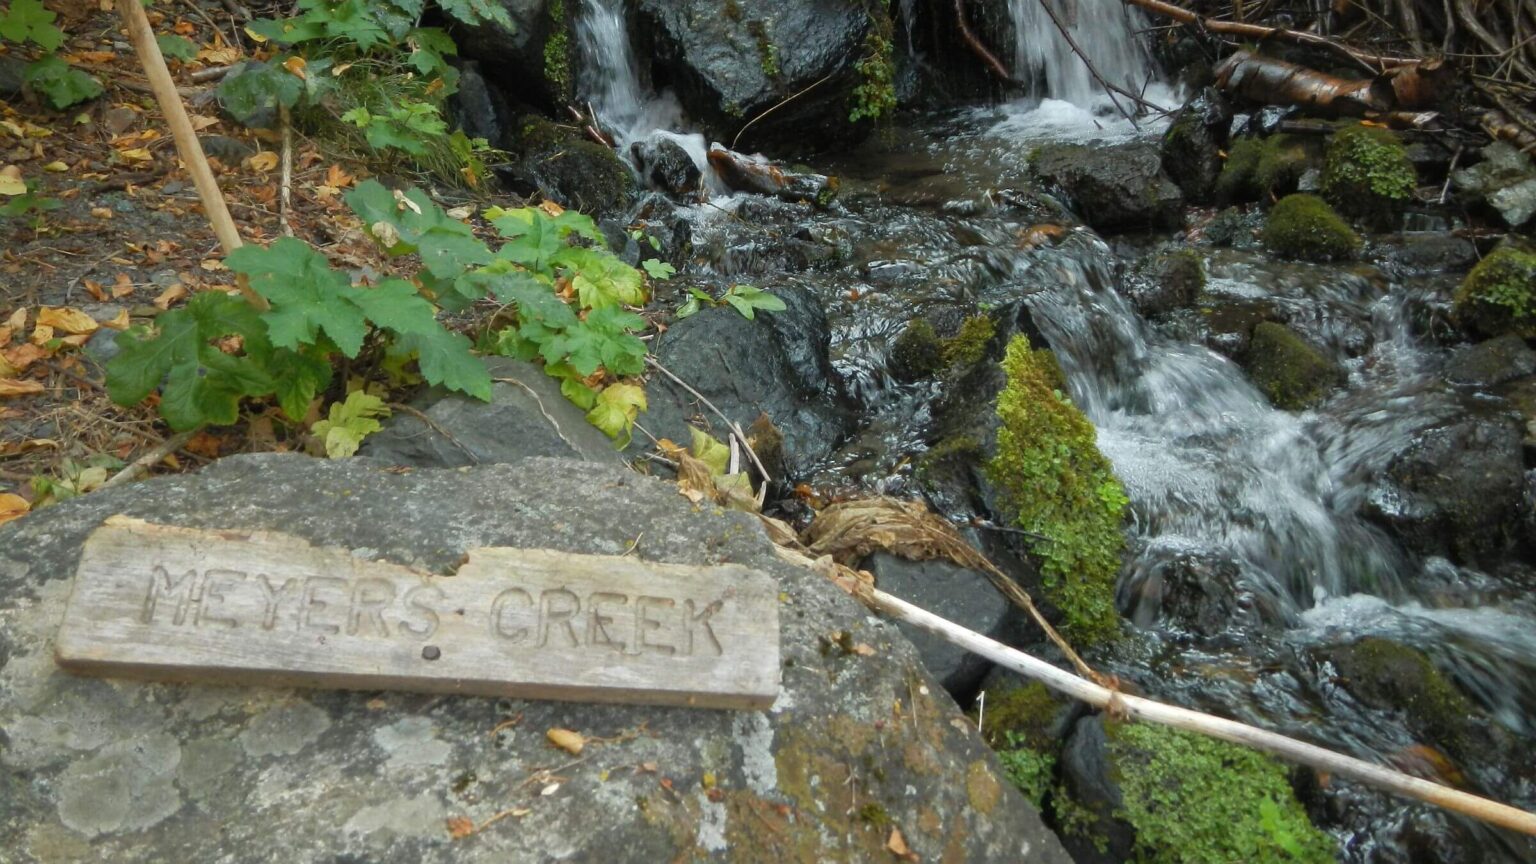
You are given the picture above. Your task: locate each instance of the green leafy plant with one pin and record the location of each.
(27, 21)
(746, 299)
(176, 47)
(26, 205)
(565, 291)
(366, 75)
(875, 94)
(349, 422)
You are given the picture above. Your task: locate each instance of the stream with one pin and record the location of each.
(1273, 504)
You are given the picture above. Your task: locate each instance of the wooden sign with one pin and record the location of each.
(161, 602)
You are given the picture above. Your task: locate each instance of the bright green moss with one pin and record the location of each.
(875, 94)
(1054, 482)
(1367, 173)
(1282, 160)
(1305, 227)
(1499, 295)
(1028, 769)
(969, 346)
(1195, 799)
(557, 51)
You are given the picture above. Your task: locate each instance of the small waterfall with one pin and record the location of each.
(1105, 30)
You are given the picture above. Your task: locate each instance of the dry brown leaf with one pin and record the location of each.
(120, 322)
(565, 739)
(212, 265)
(6, 369)
(137, 154)
(68, 319)
(94, 289)
(10, 387)
(460, 827)
(170, 295)
(551, 207)
(122, 286)
(41, 334)
(23, 355)
(16, 448)
(101, 213)
(295, 66)
(264, 161)
(898, 846)
(12, 506)
(338, 178)
(202, 121)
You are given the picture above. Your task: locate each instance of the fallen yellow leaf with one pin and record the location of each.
(22, 356)
(122, 286)
(120, 322)
(337, 177)
(202, 121)
(6, 369)
(101, 213)
(56, 167)
(11, 387)
(137, 154)
(12, 506)
(171, 295)
(565, 739)
(264, 161)
(295, 66)
(11, 182)
(212, 265)
(68, 319)
(41, 334)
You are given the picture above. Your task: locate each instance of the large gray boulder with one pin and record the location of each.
(731, 62)
(109, 770)
(1117, 187)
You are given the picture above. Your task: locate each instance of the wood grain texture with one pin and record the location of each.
(168, 603)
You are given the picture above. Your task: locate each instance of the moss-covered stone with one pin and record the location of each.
(1305, 227)
(1020, 723)
(1367, 174)
(1054, 483)
(969, 346)
(1390, 676)
(1261, 167)
(1293, 374)
(1166, 281)
(557, 162)
(557, 52)
(1196, 799)
(917, 352)
(1499, 295)
(1236, 181)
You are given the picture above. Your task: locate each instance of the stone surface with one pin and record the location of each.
(515, 57)
(1192, 147)
(128, 772)
(527, 416)
(729, 63)
(776, 363)
(1291, 372)
(1491, 363)
(1504, 181)
(1163, 282)
(965, 597)
(559, 163)
(1113, 187)
(666, 167)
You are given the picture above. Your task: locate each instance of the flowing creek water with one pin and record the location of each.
(1220, 481)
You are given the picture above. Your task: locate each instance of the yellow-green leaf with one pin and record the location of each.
(711, 452)
(615, 411)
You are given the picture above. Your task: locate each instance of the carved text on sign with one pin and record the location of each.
(179, 603)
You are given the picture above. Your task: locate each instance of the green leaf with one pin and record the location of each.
(581, 395)
(304, 374)
(395, 304)
(63, 84)
(202, 384)
(349, 423)
(445, 359)
(748, 298)
(176, 47)
(689, 308)
(658, 269)
(307, 296)
(615, 411)
(601, 279)
(287, 31)
(532, 239)
(27, 19)
(709, 451)
(258, 88)
(473, 12)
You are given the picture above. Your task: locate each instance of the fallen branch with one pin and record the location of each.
(994, 65)
(745, 174)
(1270, 80)
(1373, 62)
(285, 198)
(140, 466)
(1138, 708)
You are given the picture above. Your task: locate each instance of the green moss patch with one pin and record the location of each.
(1293, 374)
(557, 51)
(1054, 483)
(917, 352)
(1305, 227)
(1367, 173)
(1259, 167)
(969, 346)
(1499, 295)
(1387, 675)
(1195, 799)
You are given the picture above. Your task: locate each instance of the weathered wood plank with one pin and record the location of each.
(170, 603)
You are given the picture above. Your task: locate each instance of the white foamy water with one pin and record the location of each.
(1105, 31)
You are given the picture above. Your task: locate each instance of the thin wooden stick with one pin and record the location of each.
(187, 145)
(729, 423)
(285, 197)
(1136, 707)
(988, 59)
(140, 466)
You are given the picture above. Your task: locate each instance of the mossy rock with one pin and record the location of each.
(1236, 181)
(917, 353)
(1305, 227)
(558, 163)
(1390, 676)
(1257, 168)
(1499, 295)
(1166, 281)
(1053, 482)
(1192, 799)
(1025, 723)
(1293, 374)
(1367, 174)
(969, 346)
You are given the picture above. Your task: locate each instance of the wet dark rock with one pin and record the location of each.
(531, 59)
(479, 109)
(1087, 773)
(230, 151)
(1488, 364)
(1165, 281)
(1114, 187)
(1234, 227)
(666, 167)
(917, 353)
(98, 770)
(731, 62)
(776, 364)
(1196, 591)
(1293, 374)
(1426, 252)
(12, 76)
(1193, 145)
(1503, 182)
(1391, 676)
(558, 163)
(1458, 490)
(527, 416)
(966, 597)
